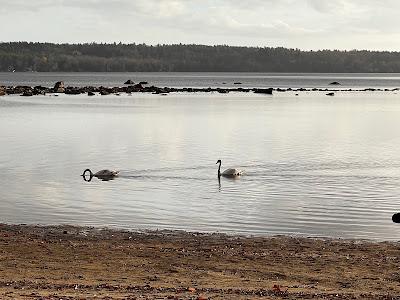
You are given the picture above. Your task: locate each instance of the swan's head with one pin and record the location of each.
(218, 161)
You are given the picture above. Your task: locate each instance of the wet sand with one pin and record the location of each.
(66, 262)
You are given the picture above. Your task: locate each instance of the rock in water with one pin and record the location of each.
(129, 82)
(334, 83)
(331, 94)
(59, 87)
(263, 91)
(396, 218)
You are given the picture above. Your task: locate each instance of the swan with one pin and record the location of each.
(102, 174)
(228, 172)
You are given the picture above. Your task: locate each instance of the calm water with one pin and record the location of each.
(251, 80)
(314, 165)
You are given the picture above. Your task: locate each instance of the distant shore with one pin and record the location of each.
(54, 262)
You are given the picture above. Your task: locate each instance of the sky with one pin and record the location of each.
(304, 24)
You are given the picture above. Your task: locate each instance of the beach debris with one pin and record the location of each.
(278, 289)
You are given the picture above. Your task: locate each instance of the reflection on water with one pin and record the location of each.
(314, 165)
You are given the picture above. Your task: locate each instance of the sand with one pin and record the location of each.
(65, 262)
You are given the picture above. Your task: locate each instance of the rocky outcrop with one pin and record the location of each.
(2, 90)
(59, 87)
(129, 82)
(263, 91)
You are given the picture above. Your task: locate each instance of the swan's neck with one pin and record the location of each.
(219, 170)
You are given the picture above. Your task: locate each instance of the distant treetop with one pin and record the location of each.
(94, 57)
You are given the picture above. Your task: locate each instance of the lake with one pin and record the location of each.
(314, 165)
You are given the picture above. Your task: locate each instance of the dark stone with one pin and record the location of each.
(2, 90)
(129, 82)
(331, 94)
(90, 93)
(263, 91)
(104, 92)
(27, 93)
(396, 218)
(59, 87)
(73, 91)
(237, 83)
(335, 83)
(143, 82)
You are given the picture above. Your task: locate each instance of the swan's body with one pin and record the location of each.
(102, 174)
(228, 172)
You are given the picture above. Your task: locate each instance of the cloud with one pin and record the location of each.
(294, 23)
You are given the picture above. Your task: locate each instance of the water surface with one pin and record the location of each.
(314, 165)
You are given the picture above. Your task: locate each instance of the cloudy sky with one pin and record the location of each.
(305, 24)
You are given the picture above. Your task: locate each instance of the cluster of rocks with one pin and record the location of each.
(142, 87)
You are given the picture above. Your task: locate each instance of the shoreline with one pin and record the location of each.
(70, 262)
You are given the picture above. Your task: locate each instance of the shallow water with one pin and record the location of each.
(314, 165)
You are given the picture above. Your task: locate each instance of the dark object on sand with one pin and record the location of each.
(331, 94)
(263, 91)
(396, 218)
(129, 82)
(335, 83)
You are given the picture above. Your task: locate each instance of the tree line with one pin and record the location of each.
(94, 57)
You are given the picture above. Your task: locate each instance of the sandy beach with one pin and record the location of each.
(66, 262)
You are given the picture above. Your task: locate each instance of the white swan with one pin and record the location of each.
(228, 172)
(102, 174)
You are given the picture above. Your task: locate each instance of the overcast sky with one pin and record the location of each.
(305, 24)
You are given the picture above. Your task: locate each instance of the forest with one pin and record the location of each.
(118, 57)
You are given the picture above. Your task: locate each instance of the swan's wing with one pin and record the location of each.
(106, 173)
(232, 172)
